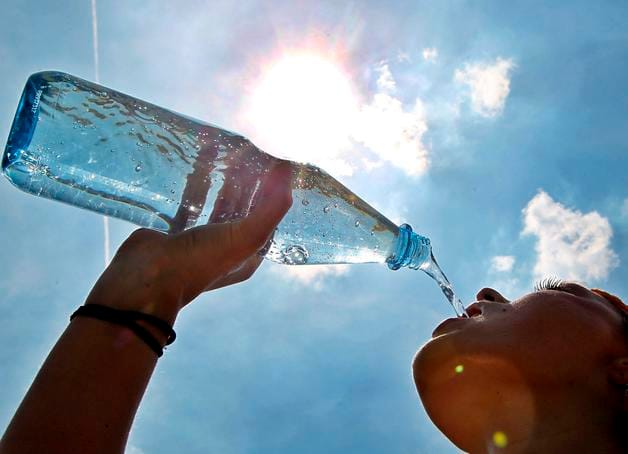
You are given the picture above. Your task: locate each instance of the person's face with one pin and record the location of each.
(478, 374)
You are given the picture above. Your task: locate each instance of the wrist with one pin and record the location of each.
(154, 331)
(166, 312)
(159, 335)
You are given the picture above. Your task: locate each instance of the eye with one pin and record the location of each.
(550, 283)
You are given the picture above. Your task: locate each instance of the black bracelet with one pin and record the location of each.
(128, 319)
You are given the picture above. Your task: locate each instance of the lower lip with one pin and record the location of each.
(451, 324)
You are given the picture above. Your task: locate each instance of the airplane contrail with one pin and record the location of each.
(105, 219)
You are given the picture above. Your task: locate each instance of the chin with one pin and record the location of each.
(445, 395)
(462, 390)
(435, 362)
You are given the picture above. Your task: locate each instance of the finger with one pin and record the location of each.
(274, 201)
(243, 273)
(234, 242)
(229, 197)
(241, 180)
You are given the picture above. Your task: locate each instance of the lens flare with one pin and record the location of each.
(500, 439)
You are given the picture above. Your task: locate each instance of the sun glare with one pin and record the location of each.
(302, 109)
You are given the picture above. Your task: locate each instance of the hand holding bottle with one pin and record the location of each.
(159, 274)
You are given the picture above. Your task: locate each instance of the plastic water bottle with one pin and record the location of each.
(96, 148)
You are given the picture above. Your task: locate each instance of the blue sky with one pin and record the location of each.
(498, 130)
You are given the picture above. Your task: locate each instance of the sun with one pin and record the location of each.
(302, 109)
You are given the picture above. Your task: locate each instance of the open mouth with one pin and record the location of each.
(451, 324)
(455, 323)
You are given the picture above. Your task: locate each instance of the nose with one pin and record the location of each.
(489, 294)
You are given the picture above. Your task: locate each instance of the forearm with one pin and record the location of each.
(85, 395)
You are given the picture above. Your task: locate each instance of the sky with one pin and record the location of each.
(496, 129)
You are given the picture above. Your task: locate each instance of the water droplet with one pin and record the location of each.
(138, 167)
(326, 209)
(294, 255)
(335, 205)
(305, 202)
(357, 223)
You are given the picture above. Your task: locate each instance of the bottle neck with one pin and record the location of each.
(412, 250)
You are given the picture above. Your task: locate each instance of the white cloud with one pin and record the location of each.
(502, 263)
(394, 206)
(385, 81)
(391, 131)
(510, 287)
(313, 276)
(570, 244)
(430, 54)
(403, 57)
(624, 209)
(489, 85)
(370, 165)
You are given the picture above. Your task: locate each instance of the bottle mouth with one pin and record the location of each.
(412, 250)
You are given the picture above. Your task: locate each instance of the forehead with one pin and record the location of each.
(573, 298)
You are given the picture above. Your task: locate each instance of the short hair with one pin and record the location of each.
(614, 300)
(617, 303)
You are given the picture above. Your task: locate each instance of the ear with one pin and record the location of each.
(618, 375)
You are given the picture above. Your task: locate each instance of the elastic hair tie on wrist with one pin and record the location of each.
(129, 319)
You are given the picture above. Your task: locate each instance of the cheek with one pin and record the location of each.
(548, 344)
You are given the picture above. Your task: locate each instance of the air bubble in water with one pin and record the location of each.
(357, 223)
(326, 209)
(138, 167)
(305, 202)
(294, 255)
